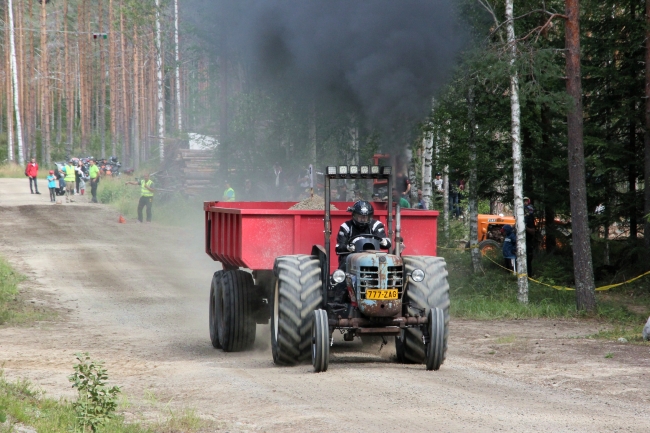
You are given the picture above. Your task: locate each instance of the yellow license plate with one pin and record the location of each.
(389, 294)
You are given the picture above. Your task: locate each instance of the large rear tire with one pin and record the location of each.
(215, 293)
(235, 321)
(297, 293)
(432, 292)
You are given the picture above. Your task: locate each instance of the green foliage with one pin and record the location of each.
(9, 280)
(96, 402)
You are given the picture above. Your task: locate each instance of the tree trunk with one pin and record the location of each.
(473, 184)
(102, 81)
(179, 111)
(136, 99)
(646, 191)
(14, 78)
(9, 90)
(427, 162)
(112, 80)
(161, 94)
(124, 119)
(582, 261)
(445, 202)
(45, 88)
(522, 268)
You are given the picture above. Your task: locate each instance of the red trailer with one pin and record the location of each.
(276, 266)
(252, 234)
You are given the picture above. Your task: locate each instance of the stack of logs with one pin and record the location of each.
(196, 170)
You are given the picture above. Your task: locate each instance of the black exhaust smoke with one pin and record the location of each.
(384, 58)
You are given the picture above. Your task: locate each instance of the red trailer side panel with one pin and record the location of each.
(252, 234)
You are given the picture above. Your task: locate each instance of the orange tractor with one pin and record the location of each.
(490, 238)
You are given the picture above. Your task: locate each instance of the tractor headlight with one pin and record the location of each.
(331, 170)
(354, 170)
(339, 276)
(417, 275)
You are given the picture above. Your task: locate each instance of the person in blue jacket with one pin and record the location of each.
(509, 247)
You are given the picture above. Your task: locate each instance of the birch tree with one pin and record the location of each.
(179, 112)
(522, 271)
(14, 81)
(646, 226)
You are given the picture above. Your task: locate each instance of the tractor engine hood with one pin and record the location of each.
(378, 282)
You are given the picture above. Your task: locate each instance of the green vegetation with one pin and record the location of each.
(492, 294)
(12, 309)
(168, 208)
(8, 169)
(96, 403)
(21, 403)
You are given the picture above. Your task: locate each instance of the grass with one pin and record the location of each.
(174, 210)
(492, 295)
(21, 403)
(13, 310)
(9, 169)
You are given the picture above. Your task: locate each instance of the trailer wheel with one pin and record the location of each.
(320, 341)
(432, 292)
(215, 293)
(235, 321)
(436, 330)
(297, 293)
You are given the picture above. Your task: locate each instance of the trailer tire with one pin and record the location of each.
(432, 292)
(296, 295)
(235, 321)
(215, 293)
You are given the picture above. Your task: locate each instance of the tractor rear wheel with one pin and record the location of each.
(432, 292)
(235, 321)
(215, 293)
(297, 293)
(489, 246)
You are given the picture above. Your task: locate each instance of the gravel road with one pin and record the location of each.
(136, 296)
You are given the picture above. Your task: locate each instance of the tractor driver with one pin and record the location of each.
(360, 224)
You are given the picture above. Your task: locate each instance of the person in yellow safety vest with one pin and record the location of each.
(229, 193)
(69, 180)
(146, 196)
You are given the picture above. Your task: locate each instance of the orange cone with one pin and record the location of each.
(121, 220)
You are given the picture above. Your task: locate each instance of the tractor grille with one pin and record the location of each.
(369, 278)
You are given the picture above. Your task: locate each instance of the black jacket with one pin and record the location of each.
(349, 231)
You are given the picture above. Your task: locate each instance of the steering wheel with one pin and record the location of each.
(379, 238)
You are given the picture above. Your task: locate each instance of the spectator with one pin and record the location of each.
(342, 192)
(31, 171)
(146, 196)
(397, 198)
(80, 173)
(70, 173)
(437, 183)
(421, 204)
(60, 177)
(278, 180)
(51, 184)
(403, 183)
(93, 173)
(529, 220)
(456, 186)
(248, 193)
(509, 248)
(229, 193)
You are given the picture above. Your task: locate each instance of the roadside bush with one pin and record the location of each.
(9, 280)
(96, 402)
(10, 169)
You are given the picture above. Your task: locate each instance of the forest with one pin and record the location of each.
(452, 86)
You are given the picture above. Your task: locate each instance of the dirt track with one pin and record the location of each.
(136, 296)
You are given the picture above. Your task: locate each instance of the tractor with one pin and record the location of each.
(386, 294)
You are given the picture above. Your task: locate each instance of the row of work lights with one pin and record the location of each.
(358, 171)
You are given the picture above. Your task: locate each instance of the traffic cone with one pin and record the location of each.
(121, 220)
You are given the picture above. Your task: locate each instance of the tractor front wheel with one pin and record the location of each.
(421, 297)
(297, 293)
(436, 346)
(320, 341)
